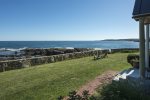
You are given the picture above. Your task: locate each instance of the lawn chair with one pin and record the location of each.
(98, 56)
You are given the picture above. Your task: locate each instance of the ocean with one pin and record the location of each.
(11, 47)
(64, 44)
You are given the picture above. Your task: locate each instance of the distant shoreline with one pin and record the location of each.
(134, 40)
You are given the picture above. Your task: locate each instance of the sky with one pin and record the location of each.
(48, 20)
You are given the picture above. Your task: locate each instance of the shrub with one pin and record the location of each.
(122, 90)
(132, 58)
(74, 96)
(124, 50)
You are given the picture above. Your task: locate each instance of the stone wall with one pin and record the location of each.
(28, 62)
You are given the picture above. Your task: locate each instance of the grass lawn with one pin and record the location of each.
(47, 82)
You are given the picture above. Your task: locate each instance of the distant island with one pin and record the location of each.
(134, 40)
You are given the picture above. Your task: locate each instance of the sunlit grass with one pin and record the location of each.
(47, 82)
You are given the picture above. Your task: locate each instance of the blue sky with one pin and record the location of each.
(66, 20)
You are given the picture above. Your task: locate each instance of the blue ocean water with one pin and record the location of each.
(63, 44)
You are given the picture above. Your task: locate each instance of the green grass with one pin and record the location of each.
(47, 82)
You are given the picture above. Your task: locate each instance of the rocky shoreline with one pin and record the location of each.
(36, 52)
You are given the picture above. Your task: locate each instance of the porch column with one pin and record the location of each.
(142, 48)
(147, 47)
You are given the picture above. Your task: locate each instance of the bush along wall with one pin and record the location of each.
(133, 59)
(125, 50)
(28, 62)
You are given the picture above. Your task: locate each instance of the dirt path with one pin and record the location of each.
(91, 86)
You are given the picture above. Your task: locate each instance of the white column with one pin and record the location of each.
(142, 48)
(147, 47)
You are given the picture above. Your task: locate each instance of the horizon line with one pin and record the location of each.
(70, 40)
